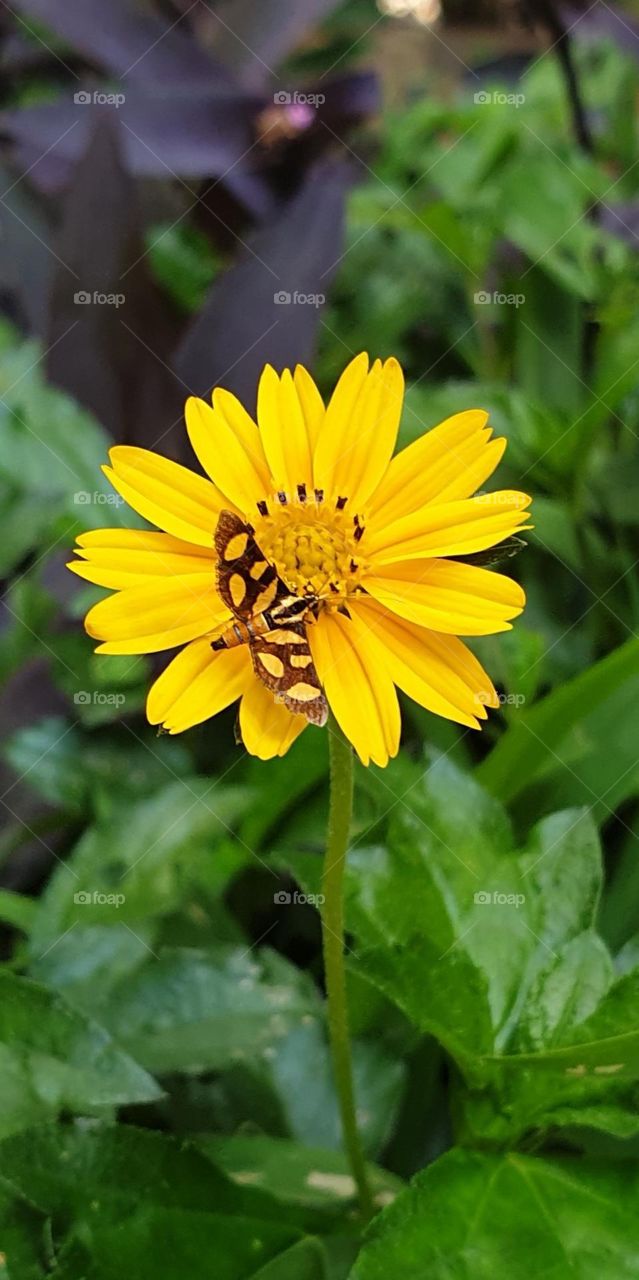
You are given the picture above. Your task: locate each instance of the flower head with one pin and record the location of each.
(311, 568)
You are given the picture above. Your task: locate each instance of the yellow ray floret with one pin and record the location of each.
(364, 560)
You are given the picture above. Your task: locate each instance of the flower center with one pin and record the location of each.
(313, 545)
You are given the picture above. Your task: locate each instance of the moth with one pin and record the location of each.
(268, 618)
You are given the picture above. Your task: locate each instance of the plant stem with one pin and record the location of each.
(339, 821)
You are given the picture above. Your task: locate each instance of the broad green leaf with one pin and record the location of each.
(24, 1238)
(558, 741)
(548, 354)
(55, 1059)
(308, 1176)
(142, 862)
(51, 452)
(73, 770)
(88, 961)
(196, 1011)
(473, 1215)
(118, 1193)
(545, 204)
(301, 1071)
(16, 909)
(280, 785)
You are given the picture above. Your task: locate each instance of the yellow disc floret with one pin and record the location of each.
(313, 545)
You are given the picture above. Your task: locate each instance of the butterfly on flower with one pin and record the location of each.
(309, 538)
(268, 618)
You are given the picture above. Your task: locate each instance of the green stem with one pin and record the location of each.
(339, 821)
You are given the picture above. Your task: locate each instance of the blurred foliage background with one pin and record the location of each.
(462, 190)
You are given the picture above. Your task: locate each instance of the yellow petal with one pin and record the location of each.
(359, 689)
(359, 430)
(159, 615)
(166, 493)
(450, 461)
(311, 402)
(197, 684)
(285, 436)
(444, 595)
(118, 558)
(448, 529)
(229, 448)
(268, 729)
(439, 672)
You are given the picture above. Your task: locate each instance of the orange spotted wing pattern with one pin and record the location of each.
(268, 618)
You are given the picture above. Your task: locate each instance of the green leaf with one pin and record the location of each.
(55, 1059)
(301, 1071)
(141, 863)
(304, 1261)
(552, 754)
(280, 785)
(17, 910)
(72, 769)
(51, 451)
(113, 1193)
(88, 961)
(183, 261)
(544, 204)
(312, 1177)
(25, 1238)
(548, 354)
(192, 1011)
(472, 1214)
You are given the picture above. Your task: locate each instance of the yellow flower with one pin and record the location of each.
(364, 536)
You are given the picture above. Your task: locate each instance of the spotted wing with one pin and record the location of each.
(247, 583)
(282, 660)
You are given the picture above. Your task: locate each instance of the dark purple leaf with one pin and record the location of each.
(193, 135)
(621, 220)
(603, 21)
(109, 331)
(26, 257)
(127, 42)
(261, 310)
(348, 99)
(253, 36)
